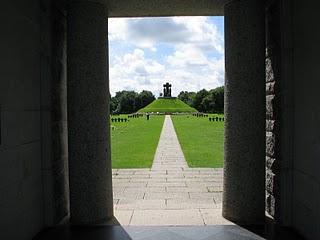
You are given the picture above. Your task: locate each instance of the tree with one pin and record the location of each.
(214, 101)
(113, 104)
(218, 99)
(187, 97)
(207, 103)
(204, 101)
(197, 102)
(130, 101)
(127, 102)
(143, 99)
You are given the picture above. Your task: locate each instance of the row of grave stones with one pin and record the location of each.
(200, 115)
(135, 115)
(119, 119)
(217, 119)
(213, 119)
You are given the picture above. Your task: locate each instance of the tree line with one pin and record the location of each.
(211, 101)
(130, 101)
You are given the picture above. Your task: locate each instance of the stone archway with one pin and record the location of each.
(89, 137)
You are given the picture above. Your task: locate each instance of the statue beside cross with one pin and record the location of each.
(167, 90)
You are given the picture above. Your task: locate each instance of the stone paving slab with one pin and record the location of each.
(124, 216)
(166, 195)
(170, 193)
(199, 189)
(122, 195)
(213, 217)
(129, 190)
(176, 204)
(144, 204)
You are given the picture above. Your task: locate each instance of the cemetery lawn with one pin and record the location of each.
(134, 143)
(201, 140)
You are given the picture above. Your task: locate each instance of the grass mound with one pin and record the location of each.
(167, 105)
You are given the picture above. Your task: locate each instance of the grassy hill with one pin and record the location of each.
(167, 105)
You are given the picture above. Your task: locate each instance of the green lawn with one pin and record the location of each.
(201, 140)
(165, 105)
(133, 143)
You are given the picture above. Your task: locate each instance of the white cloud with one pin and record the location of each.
(202, 34)
(196, 60)
(146, 32)
(193, 77)
(187, 56)
(134, 72)
(117, 28)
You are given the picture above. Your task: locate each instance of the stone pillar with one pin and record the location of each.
(244, 164)
(88, 114)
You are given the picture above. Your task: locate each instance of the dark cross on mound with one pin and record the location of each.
(167, 90)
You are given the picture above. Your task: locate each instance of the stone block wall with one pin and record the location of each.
(59, 126)
(272, 107)
(33, 143)
(21, 198)
(54, 110)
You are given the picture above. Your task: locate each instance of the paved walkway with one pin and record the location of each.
(170, 193)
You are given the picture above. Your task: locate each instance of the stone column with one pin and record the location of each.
(88, 114)
(244, 164)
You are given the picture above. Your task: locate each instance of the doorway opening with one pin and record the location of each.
(167, 122)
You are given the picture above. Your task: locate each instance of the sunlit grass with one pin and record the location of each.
(133, 143)
(201, 140)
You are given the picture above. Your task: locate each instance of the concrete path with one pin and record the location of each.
(170, 193)
(169, 155)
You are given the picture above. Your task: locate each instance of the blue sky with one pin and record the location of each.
(144, 53)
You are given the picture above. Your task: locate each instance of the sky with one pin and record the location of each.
(145, 53)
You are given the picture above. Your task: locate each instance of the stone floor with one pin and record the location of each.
(227, 232)
(149, 233)
(170, 193)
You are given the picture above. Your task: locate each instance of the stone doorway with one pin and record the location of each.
(169, 190)
(89, 140)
